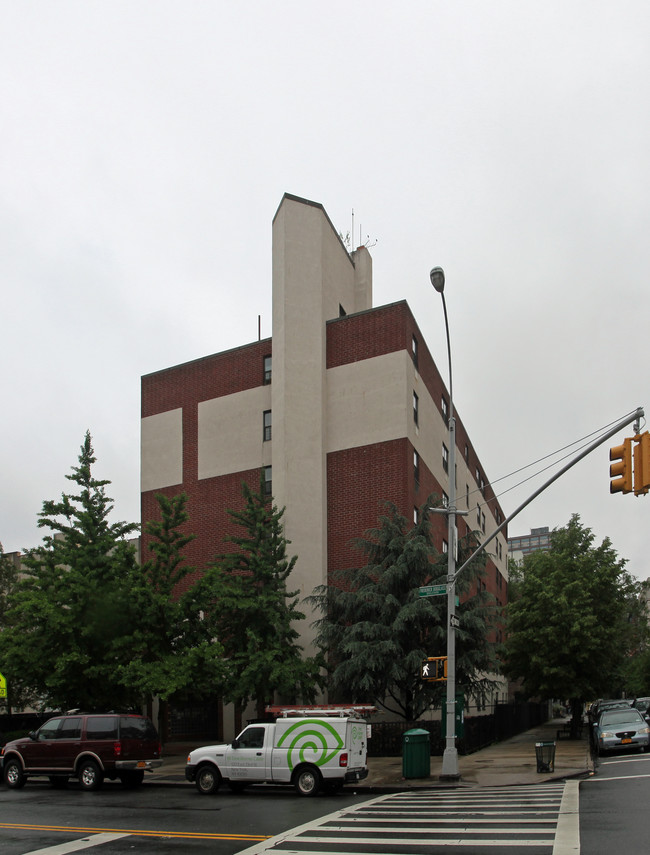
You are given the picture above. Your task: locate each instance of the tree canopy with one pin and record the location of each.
(576, 619)
(376, 629)
(170, 649)
(71, 603)
(252, 612)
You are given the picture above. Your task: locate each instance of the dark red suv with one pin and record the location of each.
(87, 747)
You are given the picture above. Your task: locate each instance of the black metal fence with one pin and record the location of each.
(505, 721)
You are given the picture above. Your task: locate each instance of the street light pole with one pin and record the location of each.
(450, 756)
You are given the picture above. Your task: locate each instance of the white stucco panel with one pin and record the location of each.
(161, 451)
(367, 401)
(230, 435)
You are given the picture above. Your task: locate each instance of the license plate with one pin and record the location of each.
(625, 741)
(143, 765)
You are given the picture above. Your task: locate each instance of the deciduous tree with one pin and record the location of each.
(575, 623)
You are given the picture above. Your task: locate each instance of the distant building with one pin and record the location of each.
(340, 411)
(539, 538)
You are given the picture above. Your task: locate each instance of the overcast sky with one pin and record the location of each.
(146, 145)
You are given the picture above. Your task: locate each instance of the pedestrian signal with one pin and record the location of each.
(434, 669)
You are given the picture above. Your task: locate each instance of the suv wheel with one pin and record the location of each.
(90, 775)
(14, 775)
(208, 779)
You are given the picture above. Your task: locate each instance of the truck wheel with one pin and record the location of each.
(207, 779)
(14, 775)
(307, 780)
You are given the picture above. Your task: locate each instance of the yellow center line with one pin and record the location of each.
(20, 826)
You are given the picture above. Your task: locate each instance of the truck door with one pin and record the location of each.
(250, 760)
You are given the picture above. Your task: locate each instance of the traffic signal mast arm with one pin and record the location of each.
(636, 417)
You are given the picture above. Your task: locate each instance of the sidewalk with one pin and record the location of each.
(505, 763)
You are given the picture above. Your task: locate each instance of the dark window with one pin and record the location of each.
(70, 728)
(268, 480)
(137, 727)
(267, 425)
(101, 727)
(50, 730)
(267, 370)
(414, 350)
(445, 410)
(252, 737)
(445, 458)
(416, 402)
(416, 469)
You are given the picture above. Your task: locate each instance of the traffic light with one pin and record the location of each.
(621, 471)
(434, 669)
(642, 464)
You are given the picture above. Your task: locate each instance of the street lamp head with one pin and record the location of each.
(437, 277)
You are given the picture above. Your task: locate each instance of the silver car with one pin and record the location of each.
(621, 729)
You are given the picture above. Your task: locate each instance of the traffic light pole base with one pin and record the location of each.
(450, 771)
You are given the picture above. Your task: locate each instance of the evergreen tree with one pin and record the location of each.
(252, 612)
(71, 605)
(576, 621)
(376, 629)
(169, 651)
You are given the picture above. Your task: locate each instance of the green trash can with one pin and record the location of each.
(416, 753)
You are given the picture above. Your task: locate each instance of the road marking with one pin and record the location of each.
(567, 834)
(136, 832)
(76, 845)
(615, 778)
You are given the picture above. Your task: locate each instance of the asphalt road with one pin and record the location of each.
(41, 819)
(614, 806)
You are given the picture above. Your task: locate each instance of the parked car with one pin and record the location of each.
(621, 728)
(600, 705)
(643, 706)
(87, 747)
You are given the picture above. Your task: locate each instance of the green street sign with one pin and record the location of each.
(3, 687)
(432, 590)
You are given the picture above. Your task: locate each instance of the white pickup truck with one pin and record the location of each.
(312, 753)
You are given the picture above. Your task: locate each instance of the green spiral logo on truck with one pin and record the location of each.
(308, 741)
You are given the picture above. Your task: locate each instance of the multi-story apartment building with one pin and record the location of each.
(341, 410)
(524, 544)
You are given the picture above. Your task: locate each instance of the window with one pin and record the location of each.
(445, 458)
(414, 350)
(415, 516)
(70, 728)
(445, 410)
(445, 500)
(252, 737)
(267, 488)
(101, 727)
(467, 495)
(416, 468)
(267, 425)
(267, 370)
(466, 451)
(445, 547)
(416, 403)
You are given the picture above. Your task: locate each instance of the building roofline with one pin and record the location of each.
(301, 201)
(206, 358)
